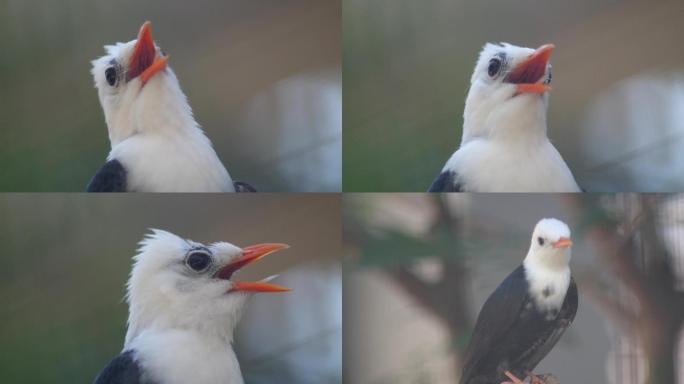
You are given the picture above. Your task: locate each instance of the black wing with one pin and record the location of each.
(241, 186)
(123, 369)
(446, 182)
(569, 308)
(111, 177)
(497, 316)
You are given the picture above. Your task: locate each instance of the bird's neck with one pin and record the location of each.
(159, 109)
(143, 321)
(522, 124)
(169, 312)
(186, 356)
(554, 264)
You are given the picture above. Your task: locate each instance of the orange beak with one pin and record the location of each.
(249, 255)
(528, 73)
(563, 242)
(145, 62)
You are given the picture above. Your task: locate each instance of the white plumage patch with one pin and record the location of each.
(485, 165)
(184, 356)
(548, 287)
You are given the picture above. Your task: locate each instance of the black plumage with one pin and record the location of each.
(447, 181)
(241, 186)
(123, 369)
(111, 177)
(512, 333)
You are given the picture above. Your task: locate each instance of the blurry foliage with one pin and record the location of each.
(396, 253)
(388, 247)
(643, 269)
(398, 248)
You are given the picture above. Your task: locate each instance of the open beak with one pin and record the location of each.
(145, 62)
(249, 255)
(563, 242)
(527, 74)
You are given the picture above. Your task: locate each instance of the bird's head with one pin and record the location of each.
(508, 90)
(134, 83)
(180, 284)
(550, 247)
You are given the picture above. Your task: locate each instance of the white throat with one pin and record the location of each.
(159, 107)
(548, 282)
(516, 120)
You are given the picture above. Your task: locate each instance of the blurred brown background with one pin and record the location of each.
(419, 267)
(263, 78)
(66, 258)
(616, 111)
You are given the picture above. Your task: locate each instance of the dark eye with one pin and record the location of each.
(540, 240)
(110, 75)
(494, 66)
(198, 261)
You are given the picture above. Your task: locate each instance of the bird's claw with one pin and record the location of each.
(534, 379)
(514, 380)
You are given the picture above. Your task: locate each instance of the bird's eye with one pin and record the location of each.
(494, 66)
(540, 240)
(198, 261)
(110, 75)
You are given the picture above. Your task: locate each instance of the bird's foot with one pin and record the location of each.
(514, 380)
(534, 379)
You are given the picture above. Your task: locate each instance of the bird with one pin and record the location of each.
(184, 304)
(504, 146)
(156, 144)
(527, 313)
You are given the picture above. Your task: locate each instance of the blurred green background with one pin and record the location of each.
(263, 78)
(66, 258)
(616, 112)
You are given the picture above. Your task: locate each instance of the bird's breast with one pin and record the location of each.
(493, 166)
(181, 357)
(547, 291)
(158, 164)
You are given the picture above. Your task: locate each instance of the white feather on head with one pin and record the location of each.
(492, 109)
(164, 294)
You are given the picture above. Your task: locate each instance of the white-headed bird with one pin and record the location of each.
(524, 317)
(504, 146)
(184, 304)
(156, 144)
